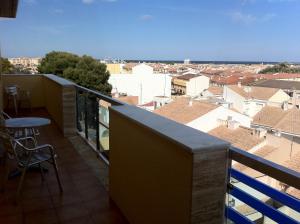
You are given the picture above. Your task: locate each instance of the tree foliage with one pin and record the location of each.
(85, 70)
(280, 68)
(6, 66)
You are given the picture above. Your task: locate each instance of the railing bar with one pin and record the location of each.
(236, 217)
(265, 209)
(97, 124)
(85, 117)
(265, 189)
(281, 173)
(104, 125)
(101, 96)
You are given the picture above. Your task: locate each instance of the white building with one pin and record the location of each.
(187, 61)
(26, 63)
(190, 84)
(249, 100)
(142, 83)
(201, 115)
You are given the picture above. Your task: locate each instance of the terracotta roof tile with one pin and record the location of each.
(294, 164)
(187, 76)
(241, 137)
(255, 92)
(279, 119)
(216, 90)
(179, 110)
(262, 152)
(131, 100)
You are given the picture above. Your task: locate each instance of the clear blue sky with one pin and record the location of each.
(156, 29)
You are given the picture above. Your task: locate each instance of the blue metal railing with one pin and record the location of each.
(283, 174)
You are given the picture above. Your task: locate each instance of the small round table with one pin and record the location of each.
(26, 122)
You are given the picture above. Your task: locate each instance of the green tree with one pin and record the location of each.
(85, 71)
(56, 62)
(5, 66)
(280, 68)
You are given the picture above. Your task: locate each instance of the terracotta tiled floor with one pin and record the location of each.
(84, 199)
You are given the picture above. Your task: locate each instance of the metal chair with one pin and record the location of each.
(17, 96)
(12, 95)
(27, 132)
(26, 157)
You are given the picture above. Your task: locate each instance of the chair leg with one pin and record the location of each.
(21, 184)
(42, 172)
(15, 105)
(56, 173)
(22, 178)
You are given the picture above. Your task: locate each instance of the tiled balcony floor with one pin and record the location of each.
(84, 199)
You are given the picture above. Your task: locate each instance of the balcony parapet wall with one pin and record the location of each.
(165, 172)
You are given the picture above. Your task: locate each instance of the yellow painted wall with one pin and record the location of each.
(53, 100)
(150, 176)
(114, 68)
(51, 93)
(33, 83)
(179, 82)
(1, 94)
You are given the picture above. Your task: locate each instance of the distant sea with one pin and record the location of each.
(210, 62)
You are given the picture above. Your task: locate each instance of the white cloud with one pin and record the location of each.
(240, 17)
(244, 18)
(146, 17)
(88, 1)
(268, 17)
(58, 11)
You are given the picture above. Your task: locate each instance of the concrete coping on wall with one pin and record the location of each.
(59, 80)
(194, 141)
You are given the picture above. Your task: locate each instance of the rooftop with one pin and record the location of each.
(216, 90)
(254, 92)
(187, 77)
(131, 100)
(280, 84)
(279, 119)
(182, 111)
(241, 137)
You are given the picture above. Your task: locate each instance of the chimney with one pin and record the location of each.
(233, 125)
(248, 89)
(239, 84)
(285, 106)
(259, 132)
(190, 103)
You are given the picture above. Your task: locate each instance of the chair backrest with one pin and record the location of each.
(3, 117)
(11, 90)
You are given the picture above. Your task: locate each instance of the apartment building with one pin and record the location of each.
(28, 63)
(292, 88)
(190, 84)
(142, 82)
(201, 115)
(249, 100)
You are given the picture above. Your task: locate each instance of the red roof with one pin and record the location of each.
(278, 76)
(231, 80)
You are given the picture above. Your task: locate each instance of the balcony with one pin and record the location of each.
(159, 171)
